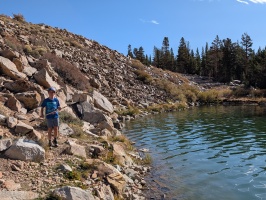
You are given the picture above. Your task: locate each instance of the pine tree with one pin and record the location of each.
(166, 56)
(198, 62)
(247, 46)
(182, 57)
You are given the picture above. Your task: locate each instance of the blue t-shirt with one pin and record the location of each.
(51, 106)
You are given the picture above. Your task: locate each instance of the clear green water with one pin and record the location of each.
(207, 153)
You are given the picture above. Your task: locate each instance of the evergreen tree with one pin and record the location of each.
(216, 56)
(198, 62)
(166, 55)
(157, 61)
(226, 73)
(192, 63)
(139, 54)
(204, 67)
(247, 46)
(182, 57)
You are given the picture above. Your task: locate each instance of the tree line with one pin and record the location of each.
(223, 61)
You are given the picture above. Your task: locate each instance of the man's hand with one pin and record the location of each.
(41, 116)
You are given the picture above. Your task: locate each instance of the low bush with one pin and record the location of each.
(78, 132)
(73, 175)
(19, 17)
(13, 43)
(67, 118)
(130, 111)
(209, 96)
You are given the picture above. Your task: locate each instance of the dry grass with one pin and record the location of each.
(136, 64)
(181, 93)
(167, 107)
(143, 76)
(129, 111)
(70, 73)
(13, 43)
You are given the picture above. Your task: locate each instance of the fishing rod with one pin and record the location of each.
(34, 119)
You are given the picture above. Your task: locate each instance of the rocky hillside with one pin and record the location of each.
(95, 85)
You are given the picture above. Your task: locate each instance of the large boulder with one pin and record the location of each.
(44, 64)
(117, 181)
(120, 153)
(75, 149)
(13, 104)
(22, 128)
(31, 99)
(26, 150)
(89, 113)
(44, 79)
(73, 193)
(9, 54)
(94, 117)
(102, 102)
(81, 97)
(64, 129)
(20, 86)
(105, 192)
(9, 68)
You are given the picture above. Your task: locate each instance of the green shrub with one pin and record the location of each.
(78, 132)
(147, 160)
(67, 118)
(74, 175)
(41, 50)
(27, 49)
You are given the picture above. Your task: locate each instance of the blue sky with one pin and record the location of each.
(118, 23)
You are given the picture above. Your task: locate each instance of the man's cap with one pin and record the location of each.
(52, 89)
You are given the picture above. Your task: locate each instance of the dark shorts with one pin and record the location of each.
(51, 123)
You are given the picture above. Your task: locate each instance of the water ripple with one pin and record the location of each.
(206, 153)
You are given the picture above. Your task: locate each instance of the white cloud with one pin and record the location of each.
(258, 1)
(252, 1)
(152, 21)
(241, 1)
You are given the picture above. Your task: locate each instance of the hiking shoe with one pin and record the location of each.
(55, 142)
(50, 143)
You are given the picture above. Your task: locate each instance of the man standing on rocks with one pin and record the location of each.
(52, 106)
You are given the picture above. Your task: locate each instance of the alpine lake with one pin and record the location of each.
(205, 153)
